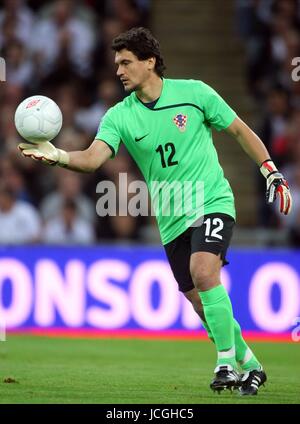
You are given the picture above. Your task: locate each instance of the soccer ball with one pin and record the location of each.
(38, 119)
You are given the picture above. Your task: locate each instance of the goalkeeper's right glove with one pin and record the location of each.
(276, 185)
(45, 152)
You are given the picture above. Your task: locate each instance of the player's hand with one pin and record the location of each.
(276, 185)
(45, 152)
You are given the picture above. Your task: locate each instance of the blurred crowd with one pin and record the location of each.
(270, 30)
(61, 49)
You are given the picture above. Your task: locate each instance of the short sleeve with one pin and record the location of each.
(108, 132)
(216, 111)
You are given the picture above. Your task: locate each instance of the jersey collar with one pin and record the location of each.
(158, 101)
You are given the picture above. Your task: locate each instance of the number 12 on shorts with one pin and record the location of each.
(213, 226)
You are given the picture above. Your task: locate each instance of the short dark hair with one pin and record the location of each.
(142, 44)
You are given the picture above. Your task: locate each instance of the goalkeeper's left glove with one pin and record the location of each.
(276, 184)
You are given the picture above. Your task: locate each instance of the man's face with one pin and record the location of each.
(132, 71)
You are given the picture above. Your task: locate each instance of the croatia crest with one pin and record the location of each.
(180, 121)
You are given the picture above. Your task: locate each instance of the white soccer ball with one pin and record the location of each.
(38, 119)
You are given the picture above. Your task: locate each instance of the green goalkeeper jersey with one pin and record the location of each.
(172, 146)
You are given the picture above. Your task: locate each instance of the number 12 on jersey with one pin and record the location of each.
(167, 152)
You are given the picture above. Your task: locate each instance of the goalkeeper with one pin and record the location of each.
(166, 126)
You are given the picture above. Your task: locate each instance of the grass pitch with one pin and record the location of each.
(56, 370)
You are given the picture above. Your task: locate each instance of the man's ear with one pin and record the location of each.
(151, 63)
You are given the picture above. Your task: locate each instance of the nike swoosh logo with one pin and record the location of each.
(137, 139)
(211, 241)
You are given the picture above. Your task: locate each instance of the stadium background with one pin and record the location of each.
(65, 270)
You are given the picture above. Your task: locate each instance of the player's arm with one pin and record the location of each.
(81, 161)
(254, 147)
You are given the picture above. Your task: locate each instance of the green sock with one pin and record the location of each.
(243, 355)
(218, 313)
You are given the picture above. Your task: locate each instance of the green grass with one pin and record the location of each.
(57, 370)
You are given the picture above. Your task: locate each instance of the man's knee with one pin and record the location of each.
(200, 273)
(205, 271)
(203, 276)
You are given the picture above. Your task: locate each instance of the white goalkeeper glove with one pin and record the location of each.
(45, 152)
(276, 185)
